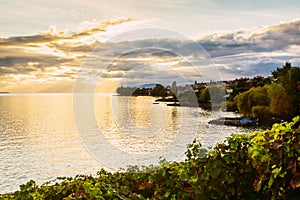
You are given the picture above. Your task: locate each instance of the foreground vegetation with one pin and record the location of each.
(261, 165)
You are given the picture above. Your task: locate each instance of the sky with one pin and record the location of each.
(95, 45)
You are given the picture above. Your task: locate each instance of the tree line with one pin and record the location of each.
(272, 99)
(268, 99)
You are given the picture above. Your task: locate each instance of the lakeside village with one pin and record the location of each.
(259, 100)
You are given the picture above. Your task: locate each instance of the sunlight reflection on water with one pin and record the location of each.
(39, 139)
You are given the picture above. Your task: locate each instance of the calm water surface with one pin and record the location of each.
(43, 136)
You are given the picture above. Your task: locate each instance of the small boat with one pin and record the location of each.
(233, 121)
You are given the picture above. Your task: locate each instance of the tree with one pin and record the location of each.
(126, 91)
(204, 96)
(254, 97)
(216, 94)
(159, 91)
(264, 102)
(280, 103)
(289, 78)
(188, 97)
(243, 104)
(263, 113)
(282, 73)
(174, 88)
(231, 106)
(239, 86)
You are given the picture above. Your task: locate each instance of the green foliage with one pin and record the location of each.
(188, 96)
(126, 91)
(275, 156)
(239, 86)
(174, 89)
(159, 91)
(274, 90)
(264, 114)
(254, 97)
(231, 106)
(204, 96)
(289, 78)
(261, 165)
(280, 104)
(224, 173)
(282, 97)
(216, 94)
(271, 99)
(211, 94)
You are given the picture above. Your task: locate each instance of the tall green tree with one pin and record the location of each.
(204, 96)
(264, 114)
(280, 103)
(174, 88)
(159, 91)
(289, 78)
(254, 97)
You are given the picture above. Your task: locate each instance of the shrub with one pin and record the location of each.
(275, 156)
(264, 115)
(231, 106)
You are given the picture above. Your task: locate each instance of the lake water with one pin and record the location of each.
(43, 136)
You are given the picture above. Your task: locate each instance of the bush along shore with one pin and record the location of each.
(261, 165)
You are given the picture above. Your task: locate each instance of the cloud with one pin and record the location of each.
(54, 57)
(49, 56)
(254, 52)
(262, 39)
(235, 54)
(53, 35)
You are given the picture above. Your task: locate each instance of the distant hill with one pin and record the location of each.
(148, 85)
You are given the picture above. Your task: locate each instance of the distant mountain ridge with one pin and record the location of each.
(148, 85)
